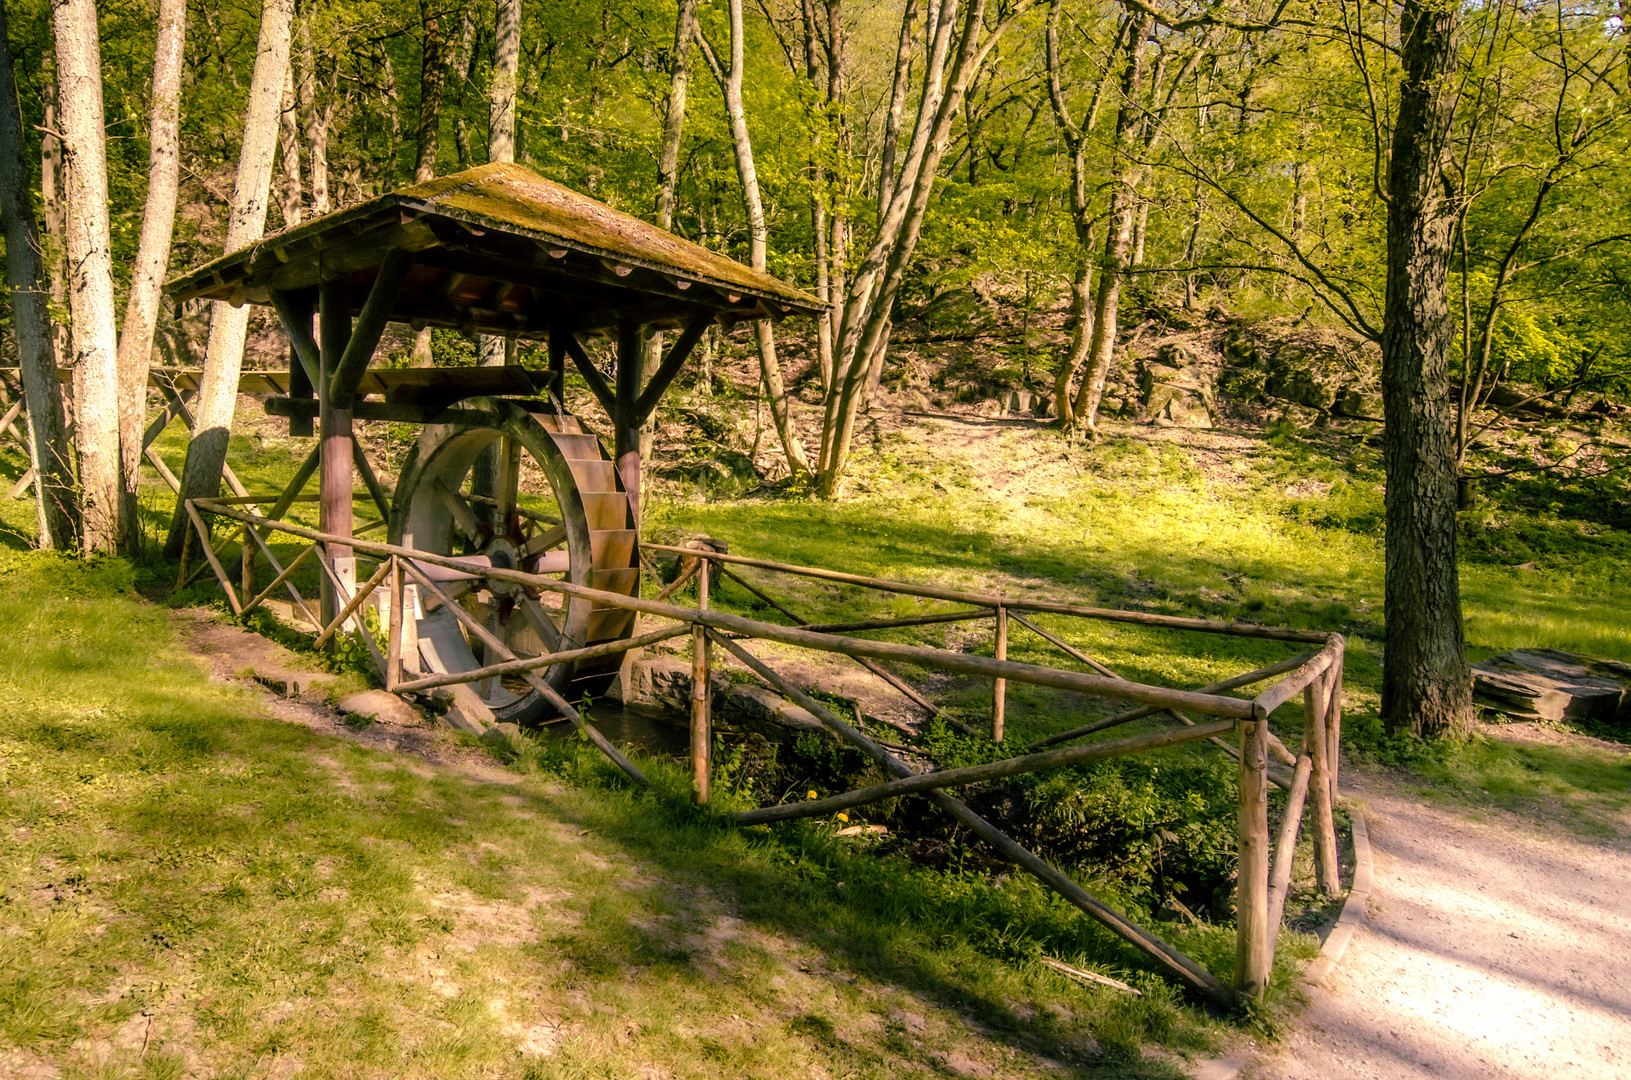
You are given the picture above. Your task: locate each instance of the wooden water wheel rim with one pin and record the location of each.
(592, 544)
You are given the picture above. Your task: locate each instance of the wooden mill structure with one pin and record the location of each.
(511, 561)
(503, 475)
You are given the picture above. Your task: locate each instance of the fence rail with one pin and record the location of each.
(1265, 867)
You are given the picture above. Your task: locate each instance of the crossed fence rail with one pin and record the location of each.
(1264, 876)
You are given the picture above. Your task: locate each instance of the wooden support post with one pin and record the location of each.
(999, 687)
(393, 646)
(701, 737)
(246, 572)
(283, 575)
(556, 387)
(1285, 848)
(1253, 958)
(214, 563)
(625, 417)
(296, 313)
(1333, 724)
(1317, 747)
(335, 434)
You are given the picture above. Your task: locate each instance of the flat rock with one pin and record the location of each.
(1550, 684)
(379, 705)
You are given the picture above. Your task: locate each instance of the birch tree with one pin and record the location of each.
(30, 318)
(955, 51)
(152, 252)
(223, 361)
(90, 274)
(730, 79)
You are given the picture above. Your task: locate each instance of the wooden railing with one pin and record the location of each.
(1264, 875)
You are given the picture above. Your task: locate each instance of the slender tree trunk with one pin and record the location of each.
(954, 57)
(318, 111)
(668, 153)
(431, 79)
(90, 267)
(1118, 241)
(1426, 684)
(31, 321)
(246, 222)
(152, 255)
(52, 185)
(501, 118)
(292, 203)
(1081, 332)
(730, 84)
(463, 63)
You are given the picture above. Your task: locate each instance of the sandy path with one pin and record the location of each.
(1492, 950)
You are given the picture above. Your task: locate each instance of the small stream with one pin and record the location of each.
(648, 730)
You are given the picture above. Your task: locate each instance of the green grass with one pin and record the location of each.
(189, 886)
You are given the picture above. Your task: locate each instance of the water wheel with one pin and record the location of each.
(494, 484)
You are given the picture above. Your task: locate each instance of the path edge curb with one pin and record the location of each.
(1230, 1066)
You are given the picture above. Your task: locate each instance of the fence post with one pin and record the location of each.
(1253, 958)
(247, 574)
(393, 655)
(700, 736)
(999, 687)
(1316, 700)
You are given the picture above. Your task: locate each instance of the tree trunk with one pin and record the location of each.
(292, 203)
(1118, 241)
(954, 57)
(1081, 334)
(246, 222)
(501, 117)
(31, 321)
(463, 67)
(319, 116)
(730, 85)
(506, 69)
(152, 254)
(52, 183)
(1426, 683)
(432, 76)
(90, 268)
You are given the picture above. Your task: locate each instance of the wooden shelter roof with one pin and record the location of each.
(501, 250)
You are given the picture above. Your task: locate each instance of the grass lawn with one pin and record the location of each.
(190, 886)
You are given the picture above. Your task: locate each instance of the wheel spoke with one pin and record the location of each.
(549, 538)
(538, 618)
(463, 516)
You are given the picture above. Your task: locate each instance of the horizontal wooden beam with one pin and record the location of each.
(533, 663)
(360, 410)
(938, 659)
(1174, 622)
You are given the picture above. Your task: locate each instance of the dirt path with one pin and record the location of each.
(1492, 949)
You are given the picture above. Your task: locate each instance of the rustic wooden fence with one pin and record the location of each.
(1265, 858)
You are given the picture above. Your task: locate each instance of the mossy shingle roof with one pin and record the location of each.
(506, 226)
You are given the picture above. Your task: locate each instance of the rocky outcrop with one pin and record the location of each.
(1550, 684)
(664, 682)
(1176, 389)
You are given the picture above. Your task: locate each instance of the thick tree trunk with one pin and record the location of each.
(152, 254)
(90, 268)
(730, 85)
(31, 321)
(246, 222)
(1118, 242)
(1426, 683)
